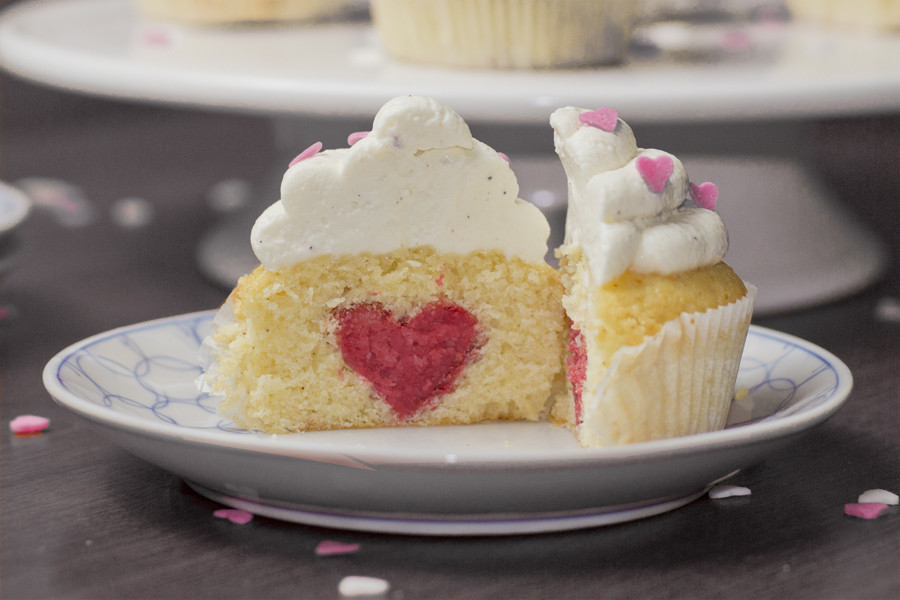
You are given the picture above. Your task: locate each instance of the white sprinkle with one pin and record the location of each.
(888, 310)
(357, 586)
(66, 202)
(131, 213)
(878, 495)
(726, 491)
(230, 195)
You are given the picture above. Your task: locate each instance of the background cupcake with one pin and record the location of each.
(505, 33)
(855, 15)
(239, 11)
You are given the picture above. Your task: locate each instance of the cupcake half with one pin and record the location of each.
(402, 282)
(657, 319)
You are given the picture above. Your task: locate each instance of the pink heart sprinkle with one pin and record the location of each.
(27, 424)
(705, 194)
(311, 151)
(602, 118)
(333, 548)
(156, 37)
(241, 517)
(503, 156)
(655, 171)
(356, 136)
(865, 510)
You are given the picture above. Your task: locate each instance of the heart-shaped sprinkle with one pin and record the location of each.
(241, 517)
(356, 136)
(408, 361)
(28, 425)
(333, 548)
(655, 171)
(311, 151)
(503, 156)
(704, 194)
(865, 510)
(602, 118)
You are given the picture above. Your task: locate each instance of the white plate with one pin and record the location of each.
(102, 47)
(136, 385)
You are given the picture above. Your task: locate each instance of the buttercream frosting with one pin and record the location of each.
(418, 178)
(628, 207)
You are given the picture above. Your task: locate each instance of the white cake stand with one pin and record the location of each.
(788, 234)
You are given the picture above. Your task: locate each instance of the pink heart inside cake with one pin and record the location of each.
(408, 361)
(576, 368)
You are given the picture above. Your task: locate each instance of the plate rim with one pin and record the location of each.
(293, 446)
(438, 524)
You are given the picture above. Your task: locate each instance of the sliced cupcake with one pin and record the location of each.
(658, 320)
(402, 282)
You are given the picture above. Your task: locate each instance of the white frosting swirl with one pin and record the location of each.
(418, 179)
(614, 215)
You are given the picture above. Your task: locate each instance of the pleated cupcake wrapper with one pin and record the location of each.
(505, 33)
(677, 382)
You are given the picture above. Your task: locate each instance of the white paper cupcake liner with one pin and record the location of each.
(678, 382)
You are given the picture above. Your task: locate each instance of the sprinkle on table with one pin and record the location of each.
(357, 586)
(865, 510)
(878, 495)
(727, 491)
(241, 517)
(335, 548)
(29, 425)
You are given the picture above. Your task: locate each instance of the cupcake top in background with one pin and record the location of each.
(632, 208)
(418, 178)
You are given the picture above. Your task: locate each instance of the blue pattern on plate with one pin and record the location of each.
(150, 370)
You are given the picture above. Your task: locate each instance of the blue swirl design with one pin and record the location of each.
(782, 378)
(150, 370)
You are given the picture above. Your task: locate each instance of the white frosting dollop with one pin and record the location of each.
(616, 218)
(418, 179)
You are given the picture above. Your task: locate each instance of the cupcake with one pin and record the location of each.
(658, 321)
(222, 12)
(402, 283)
(856, 15)
(505, 34)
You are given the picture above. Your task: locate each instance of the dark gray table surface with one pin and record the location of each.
(81, 518)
